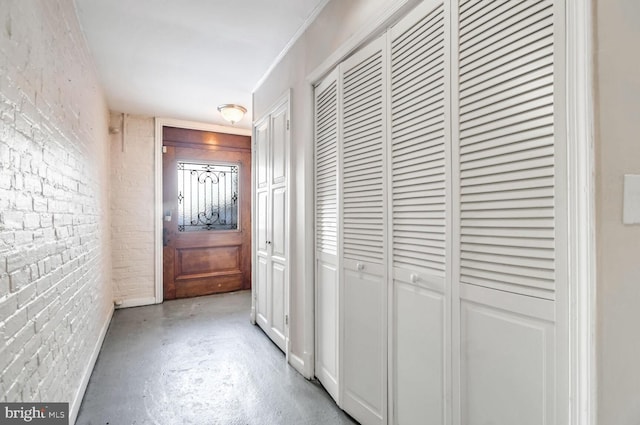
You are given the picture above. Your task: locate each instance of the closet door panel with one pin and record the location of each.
(279, 124)
(364, 368)
(508, 359)
(419, 355)
(278, 299)
(420, 203)
(326, 233)
(507, 149)
(364, 291)
(279, 238)
(509, 168)
(262, 274)
(262, 153)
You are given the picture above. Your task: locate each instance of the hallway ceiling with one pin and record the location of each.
(181, 59)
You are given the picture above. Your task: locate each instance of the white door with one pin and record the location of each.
(272, 228)
(510, 247)
(420, 207)
(326, 232)
(364, 289)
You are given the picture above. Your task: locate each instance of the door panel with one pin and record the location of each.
(327, 326)
(279, 198)
(279, 150)
(262, 154)
(421, 206)
(326, 231)
(507, 359)
(510, 247)
(207, 242)
(419, 352)
(364, 293)
(262, 209)
(364, 346)
(262, 271)
(207, 261)
(278, 280)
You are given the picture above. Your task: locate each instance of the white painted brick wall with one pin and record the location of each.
(132, 208)
(55, 253)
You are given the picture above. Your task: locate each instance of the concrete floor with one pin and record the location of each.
(199, 361)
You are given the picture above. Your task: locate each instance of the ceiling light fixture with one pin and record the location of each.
(232, 113)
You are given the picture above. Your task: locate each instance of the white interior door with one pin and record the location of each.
(510, 243)
(420, 208)
(326, 232)
(364, 289)
(272, 224)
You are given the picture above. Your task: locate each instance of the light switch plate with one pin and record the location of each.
(631, 208)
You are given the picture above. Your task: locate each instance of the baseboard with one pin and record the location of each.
(297, 363)
(135, 302)
(75, 405)
(309, 369)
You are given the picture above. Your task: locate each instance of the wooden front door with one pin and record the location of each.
(207, 212)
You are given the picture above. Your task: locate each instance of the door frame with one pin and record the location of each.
(190, 125)
(580, 177)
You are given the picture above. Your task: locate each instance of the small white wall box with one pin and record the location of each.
(631, 208)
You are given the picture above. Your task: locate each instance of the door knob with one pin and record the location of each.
(268, 242)
(360, 267)
(413, 278)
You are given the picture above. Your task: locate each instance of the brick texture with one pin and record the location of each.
(55, 252)
(132, 207)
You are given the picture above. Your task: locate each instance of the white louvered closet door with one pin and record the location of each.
(511, 167)
(364, 290)
(326, 232)
(420, 180)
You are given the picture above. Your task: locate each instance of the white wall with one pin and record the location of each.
(55, 279)
(337, 22)
(618, 153)
(132, 209)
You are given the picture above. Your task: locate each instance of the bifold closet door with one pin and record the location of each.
(326, 232)
(420, 179)
(364, 289)
(510, 148)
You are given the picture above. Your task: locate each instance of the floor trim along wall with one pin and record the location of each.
(135, 302)
(77, 401)
(297, 363)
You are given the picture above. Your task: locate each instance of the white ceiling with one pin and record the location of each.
(181, 59)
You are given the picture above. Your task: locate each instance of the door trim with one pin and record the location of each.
(191, 125)
(581, 211)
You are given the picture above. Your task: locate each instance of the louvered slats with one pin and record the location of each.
(326, 157)
(363, 168)
(418, 159)
(507, 152)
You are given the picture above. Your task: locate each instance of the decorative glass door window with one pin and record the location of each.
(207, 197)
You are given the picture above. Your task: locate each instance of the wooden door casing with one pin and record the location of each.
(205, 262)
